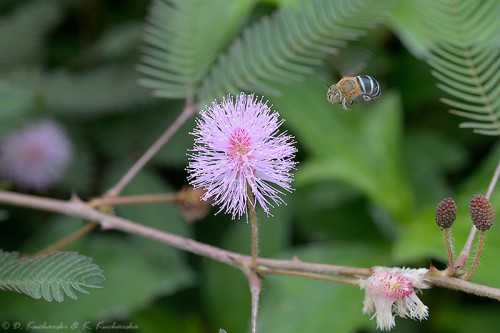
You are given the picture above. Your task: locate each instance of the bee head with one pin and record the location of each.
(333, 95)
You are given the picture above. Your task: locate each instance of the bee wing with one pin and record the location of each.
(351, 61)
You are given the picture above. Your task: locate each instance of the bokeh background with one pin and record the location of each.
(366, 185)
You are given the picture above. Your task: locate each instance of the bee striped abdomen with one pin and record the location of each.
(369, 86)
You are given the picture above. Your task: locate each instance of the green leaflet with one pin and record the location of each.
(22, 32)
(62, 92)
(119, 42)
(51, 276)
(113, 89)
(183, 38)
(465, 59)
(14, 100)
(404, 22)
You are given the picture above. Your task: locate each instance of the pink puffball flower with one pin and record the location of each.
(239, 154)
(391, 291)
(35, 156)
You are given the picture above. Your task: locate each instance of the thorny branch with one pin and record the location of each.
(77, 208)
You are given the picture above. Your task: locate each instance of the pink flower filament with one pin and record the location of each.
(238, 149)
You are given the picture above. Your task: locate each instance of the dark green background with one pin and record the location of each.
(366, 184)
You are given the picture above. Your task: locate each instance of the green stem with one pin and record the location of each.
(134, 199)
(67, 240)
(309, 275)
(188, 111)
(449, 249)
(477, 257)
(255, 229)
(255, 287)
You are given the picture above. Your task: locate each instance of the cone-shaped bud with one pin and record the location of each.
(481, 212)
(446, 213)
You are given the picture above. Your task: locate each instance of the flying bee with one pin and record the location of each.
(350, 87)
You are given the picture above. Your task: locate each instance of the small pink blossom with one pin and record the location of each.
(238, 149)
(35, 156)
(391, 291)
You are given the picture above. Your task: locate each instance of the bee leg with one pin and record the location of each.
(344, 106)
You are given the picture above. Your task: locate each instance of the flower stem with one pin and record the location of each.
(449, 249)
(254, 279)
(188, 111)
(477, 257)
(464, 254)
(133, 199)
(63, 242)
(255, 229)
(493, 182)
(315, 276)
(255, 287)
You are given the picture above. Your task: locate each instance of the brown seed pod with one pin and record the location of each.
(481, 212)
(446, 213)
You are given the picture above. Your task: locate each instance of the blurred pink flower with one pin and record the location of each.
(238, 149)
(35, 156)
(391, 291)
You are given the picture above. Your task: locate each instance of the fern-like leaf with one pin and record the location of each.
(14, 100)
(51, 276)
(290, 44)
(112, 90)
(117, 43)
(466, 59)
(22, 32)
(183, 38)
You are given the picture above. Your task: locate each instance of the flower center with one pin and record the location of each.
(33, 153)
(239, 145)
(398, 286)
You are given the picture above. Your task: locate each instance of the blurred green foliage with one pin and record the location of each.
(366, 184)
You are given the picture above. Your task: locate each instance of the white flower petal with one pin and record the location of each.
(391, 291)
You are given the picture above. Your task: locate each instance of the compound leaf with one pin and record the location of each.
(49, 277)
(465, 59)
